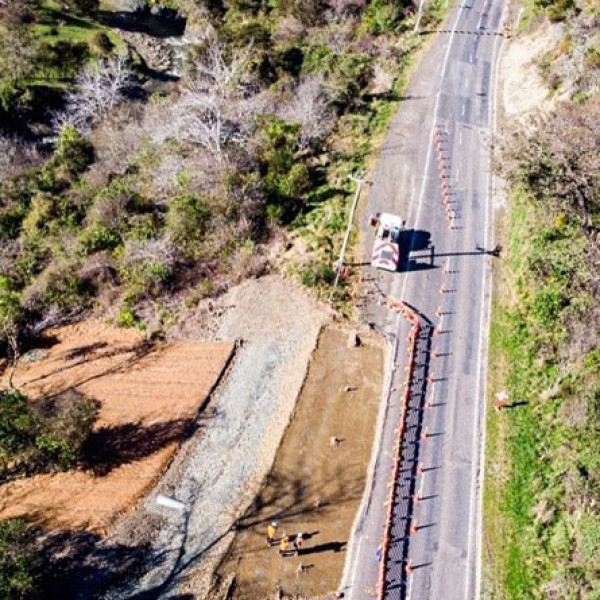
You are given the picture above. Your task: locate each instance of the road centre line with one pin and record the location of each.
(430, 144)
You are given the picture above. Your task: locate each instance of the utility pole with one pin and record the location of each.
(359, 180)
(419, 13)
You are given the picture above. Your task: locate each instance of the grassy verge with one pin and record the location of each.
(542, 528)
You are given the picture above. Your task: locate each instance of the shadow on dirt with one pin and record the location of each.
(76, 565)
(110, 447)
(327, 547)
(93, 352)
(285, 497)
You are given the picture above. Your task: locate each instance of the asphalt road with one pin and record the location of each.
(441, 134)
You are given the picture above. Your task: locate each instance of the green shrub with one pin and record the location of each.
(11, 219)
(187, 222)
(547, 306)
(82, 7)
(317, 274)
(126, 318)
(41, 211)
(145, 278)
(557, 10)
(241, 29)
(285, 179)
(73, 151)
(308, 12)
(382, 16)
(65, 291)
(96, 238)
(46, 434)
(103, 42)
(17, 553)
(15, 195)
(351, 75)
(17, 424)
(318, 59)
(247, 6)
(62, 59)
(64, 427)
(47, 180)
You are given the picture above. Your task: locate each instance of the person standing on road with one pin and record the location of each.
(271, 533)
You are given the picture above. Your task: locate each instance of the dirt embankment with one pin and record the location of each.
(148, 395)
(523, 89)
(318, 478)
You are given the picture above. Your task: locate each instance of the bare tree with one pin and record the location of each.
(310, 109)
(160, 251)
(343, 8)
(97, 92)
(289, 31)
(208, 112)
(15, 155)
(558, 159)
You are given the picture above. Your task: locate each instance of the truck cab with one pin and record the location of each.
(386, 248)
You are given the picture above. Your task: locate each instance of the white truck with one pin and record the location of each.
(386, 249)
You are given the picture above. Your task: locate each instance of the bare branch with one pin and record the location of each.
(310, 109)
(208, 112)
(97, 92)
(161, 251)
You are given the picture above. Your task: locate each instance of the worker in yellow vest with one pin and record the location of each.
(285, 546)
(272, 533)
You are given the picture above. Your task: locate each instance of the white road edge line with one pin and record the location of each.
(481, 397)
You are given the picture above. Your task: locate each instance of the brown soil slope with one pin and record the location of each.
(316, 484)
(148, 394)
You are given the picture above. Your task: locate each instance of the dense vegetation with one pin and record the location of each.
(45, 435)
(17, 558)
(543, 484)
(152, 201)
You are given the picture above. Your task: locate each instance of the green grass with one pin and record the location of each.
(539, 467)
(71, 28)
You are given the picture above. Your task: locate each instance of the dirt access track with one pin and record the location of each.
(318, 478)
(148, 394)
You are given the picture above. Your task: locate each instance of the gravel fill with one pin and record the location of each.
(218, 472)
